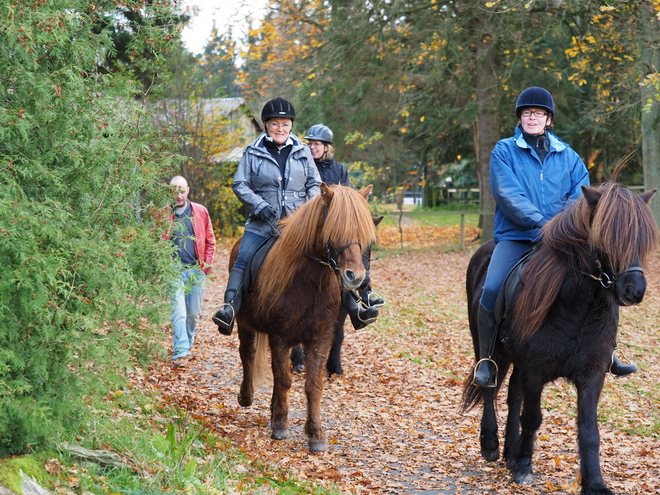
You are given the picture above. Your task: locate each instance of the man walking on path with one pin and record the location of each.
(191, 233)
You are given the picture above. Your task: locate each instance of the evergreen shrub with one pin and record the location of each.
(83, 269)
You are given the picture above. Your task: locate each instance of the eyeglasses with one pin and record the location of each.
(277, 125)
(537, 113)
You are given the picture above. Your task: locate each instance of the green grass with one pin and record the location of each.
(433, 218)
(165, 451)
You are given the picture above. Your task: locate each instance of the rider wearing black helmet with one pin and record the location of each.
(275, 176)
(534, 175)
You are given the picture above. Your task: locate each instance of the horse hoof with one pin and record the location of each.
(335, 371)
(279, 434)
(298, 368)
(244, 401)
(317, 446)
(523, 479)
(490, 455)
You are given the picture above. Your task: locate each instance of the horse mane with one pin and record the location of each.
(619, 226)
(320, 222)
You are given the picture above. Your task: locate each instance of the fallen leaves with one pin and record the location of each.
(392, 419)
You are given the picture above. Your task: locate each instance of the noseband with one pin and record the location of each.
(607, 280)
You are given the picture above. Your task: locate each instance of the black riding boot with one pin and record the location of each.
(619, 369)
(361, 314)
(225, 316)
(485, 371)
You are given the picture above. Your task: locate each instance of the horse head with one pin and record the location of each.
(623, 231)
(347, 233)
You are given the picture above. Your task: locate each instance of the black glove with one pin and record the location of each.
(267, 214)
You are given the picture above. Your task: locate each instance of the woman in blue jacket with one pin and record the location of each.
(533, 176)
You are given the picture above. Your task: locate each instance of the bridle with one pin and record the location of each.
(607, 280)
(332, 255)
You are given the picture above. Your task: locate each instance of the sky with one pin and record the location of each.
(223, 12)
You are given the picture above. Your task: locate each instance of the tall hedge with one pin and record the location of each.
(83, 273)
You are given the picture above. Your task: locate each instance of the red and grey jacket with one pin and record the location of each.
(204, 236)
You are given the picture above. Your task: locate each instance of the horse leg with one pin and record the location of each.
(298, 359)
(282, 379)
(514, 402)
(315, 355)
(490, 445)
(246, 350)
(334, 359)
(588, 437)
(520, 459)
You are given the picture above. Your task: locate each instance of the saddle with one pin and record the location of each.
(255, 263)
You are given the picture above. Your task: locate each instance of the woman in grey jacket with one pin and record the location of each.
(276, 175)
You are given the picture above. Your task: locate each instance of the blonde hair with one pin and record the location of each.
(329, 152)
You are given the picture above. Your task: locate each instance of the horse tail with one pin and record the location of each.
(260, 368)
(473, 395)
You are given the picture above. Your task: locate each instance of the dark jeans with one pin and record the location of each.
(249, 245)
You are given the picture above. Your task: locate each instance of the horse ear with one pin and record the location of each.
(377, 220)
(326, 193)
(648, 195)
(591, 195)
(366, 191)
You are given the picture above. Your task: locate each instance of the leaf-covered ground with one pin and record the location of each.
(393, 419)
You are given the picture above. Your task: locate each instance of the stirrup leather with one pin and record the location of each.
(218, 321)
(497, 370)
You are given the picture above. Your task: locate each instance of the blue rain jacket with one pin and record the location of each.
(527, 192)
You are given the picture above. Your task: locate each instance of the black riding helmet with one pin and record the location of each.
(535, 97)
(320, 132)
(278, 108)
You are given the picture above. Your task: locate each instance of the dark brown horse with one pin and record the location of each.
(296, 300)
(561, 321)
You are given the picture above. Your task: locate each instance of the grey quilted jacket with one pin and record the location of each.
(259, 182)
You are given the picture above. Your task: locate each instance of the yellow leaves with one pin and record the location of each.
(422, 118)
(311, 76)
(403, 130)
(404, 113)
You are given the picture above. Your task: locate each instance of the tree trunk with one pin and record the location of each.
(650, 65)
(487, 125)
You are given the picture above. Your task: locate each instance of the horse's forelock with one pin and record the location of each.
(348, 219)
(623, 227)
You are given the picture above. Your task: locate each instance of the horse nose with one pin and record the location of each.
(352, 279)
(634, 289)
(634, 295)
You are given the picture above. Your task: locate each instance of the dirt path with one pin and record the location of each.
(392, 419)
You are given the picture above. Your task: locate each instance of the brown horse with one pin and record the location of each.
(297, 297)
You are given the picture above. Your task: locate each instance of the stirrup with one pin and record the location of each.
(375, 296)
(362, 306)
(627, 362)
(474, 373)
